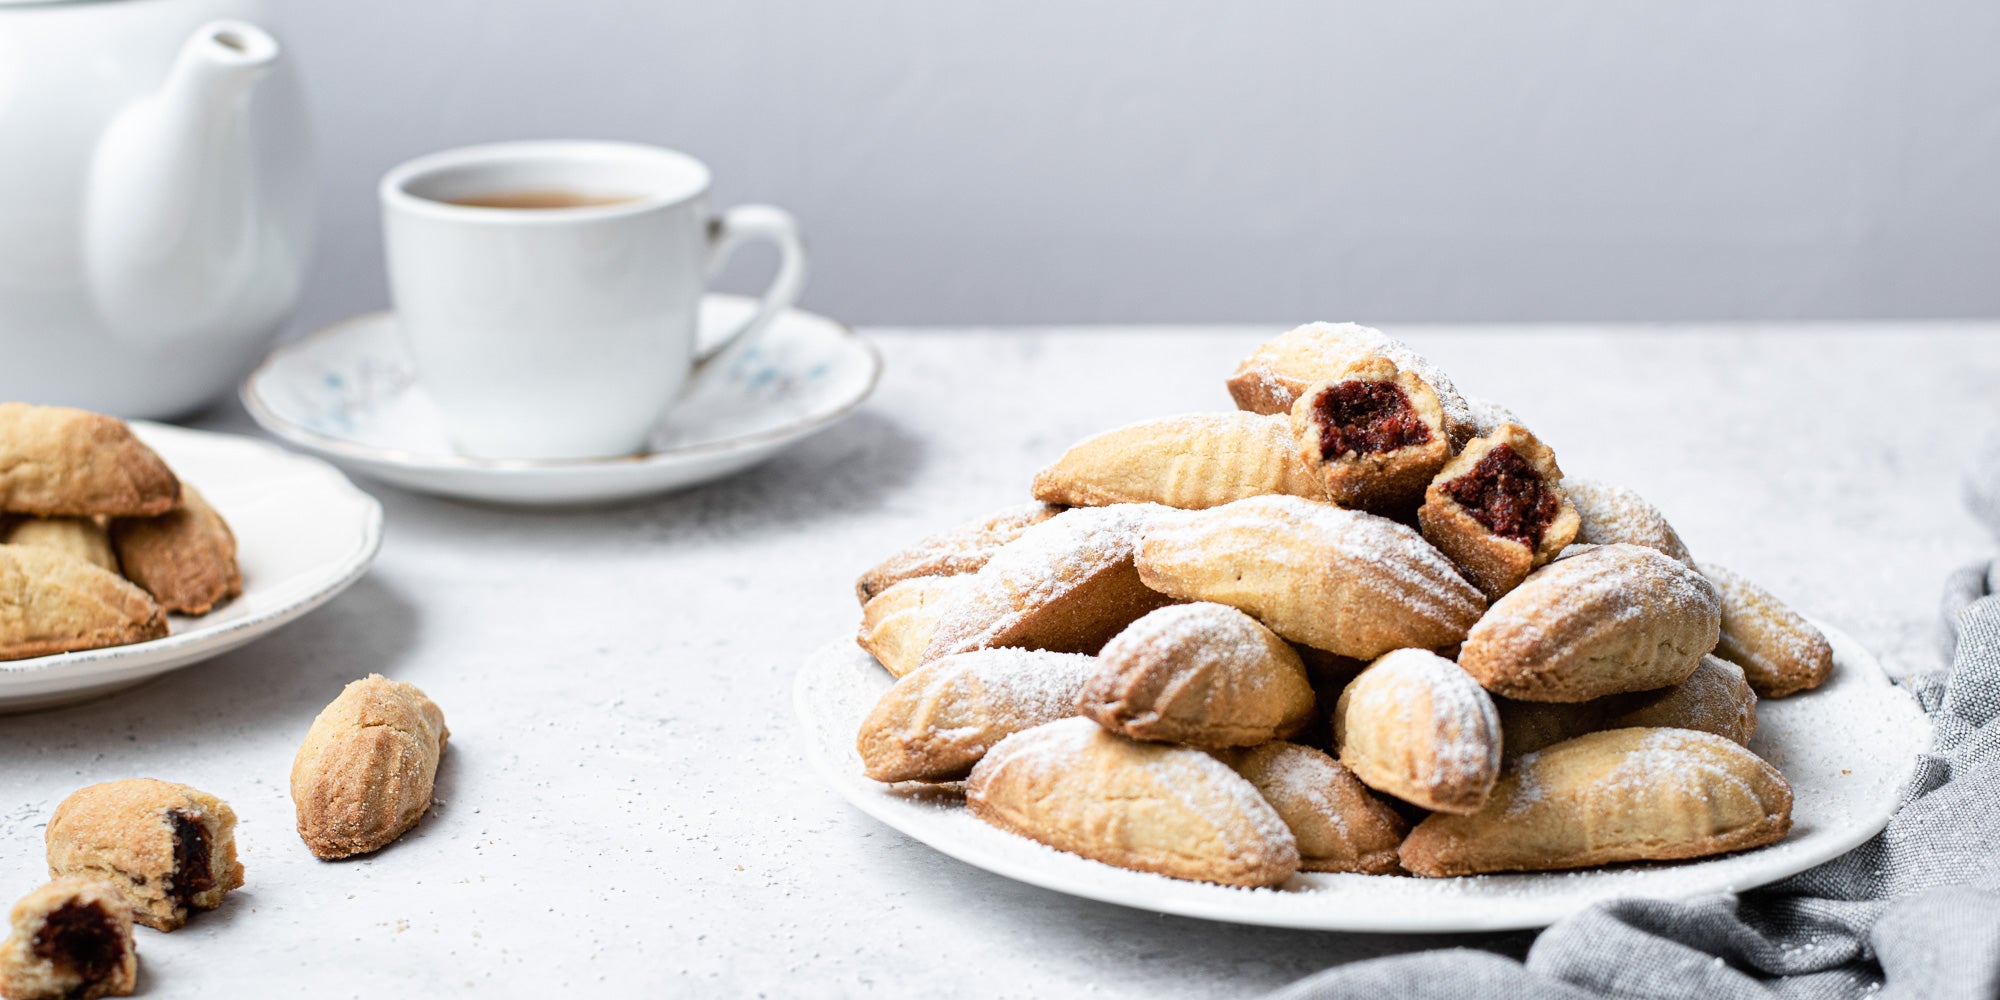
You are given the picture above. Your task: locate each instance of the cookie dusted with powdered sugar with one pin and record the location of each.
(1373, 434)
(1413, 725)
(940, 719)
(1150, 807)
(1338, 580)
(1192, 461)
(1202, 674)
(1780, 652)
(1610, 515)
(1340, 826)
(1066, 585)
(899, 622)
(1498, 509)
(1607, 620)
(1619, 795)
(960, 550)
(1714, 699)
(1271, 378)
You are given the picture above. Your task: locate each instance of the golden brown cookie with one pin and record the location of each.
(1339, 825)
(1193, 461)
(938, 720)
(1202, 674)
(899, 622)
(1609, 515)
(1067, 585)
(60, 462)
(70, 940)
(167, 848)
(1780, 652)
(1374, 436)
(1612, 619)
(51, 602)
(1274, 375)
(1413, 725)
(185, 558)
(1498, 509)
(1150, 807)
(956, 552)
(365, 772)
(1339, 580)
(79, 537)
(1714, 699)
(1618, 795)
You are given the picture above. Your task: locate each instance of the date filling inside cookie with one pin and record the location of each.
(193, 871)
(1506, 495)
(1365, 418)
(80, 939)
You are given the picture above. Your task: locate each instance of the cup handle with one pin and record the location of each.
(730, 230)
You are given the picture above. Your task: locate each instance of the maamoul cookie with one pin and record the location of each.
(1339, 825)
(69, 940)
(1780, 652)
(1150, 807)
(1202, 674)
(1373, 435)
(60, 462)
(1413, 725)
(51, 602)
(1193, 461)
(1339, 580)
(1274, 375)
(1612, 619)
(80, 537)
(167, 848)
(1487, 415)
(1618, 795)
(1714, 699)
(898, 623)
(959, 551)
(938, 720)
(1498, 509)
(1067, 584)
(365, 772)
(1609, 515)
(185, 558)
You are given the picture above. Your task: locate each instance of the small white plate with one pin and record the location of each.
(303, 534)
(1848, 750)
(350, 394)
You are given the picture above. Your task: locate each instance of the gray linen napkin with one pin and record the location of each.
(1913, 913)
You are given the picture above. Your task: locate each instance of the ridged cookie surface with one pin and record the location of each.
(1714, 699)
(1202, 674)
(1413, 725)
(898, 623)
(1338, 580)
(1610, 619)
(1150, 807)
(953, 552)
(1339, 825)
(185, 558)
(938, 720)
(1612, 515)
(1067, 584)
(1780, 652)
(1193, 461)
(365, 773)
(1619, 795)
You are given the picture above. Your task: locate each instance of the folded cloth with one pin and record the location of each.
(1913, 913)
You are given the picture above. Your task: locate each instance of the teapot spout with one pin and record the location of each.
(170, 227)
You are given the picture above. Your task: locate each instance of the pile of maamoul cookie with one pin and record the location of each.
(99, 539)
(1365, 624)
(84, 500)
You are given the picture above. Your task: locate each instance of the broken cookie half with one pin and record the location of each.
(70, 940)
(167, 848)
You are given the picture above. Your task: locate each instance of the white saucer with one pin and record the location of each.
(1848, 749)
(349, 393)
(267, 495)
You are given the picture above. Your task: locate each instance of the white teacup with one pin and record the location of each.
(549, 290)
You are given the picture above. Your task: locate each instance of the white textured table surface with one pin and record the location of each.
(623, 802)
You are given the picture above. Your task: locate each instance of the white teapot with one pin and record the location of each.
(155, 200)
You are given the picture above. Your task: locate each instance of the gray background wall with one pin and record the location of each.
(975, 161)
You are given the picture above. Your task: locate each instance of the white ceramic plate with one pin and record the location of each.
(349, 394)
(303, 534)
(1848, 750)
